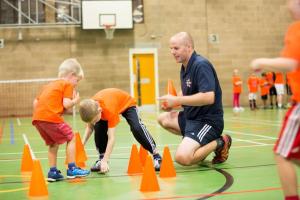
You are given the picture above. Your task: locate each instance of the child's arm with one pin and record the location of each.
(279, 64)
(238, 83)
(108, 151)
(69, 103)
(88, 132)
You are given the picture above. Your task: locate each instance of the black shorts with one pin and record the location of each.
(199, 131)
(272, 91)
(264, 97)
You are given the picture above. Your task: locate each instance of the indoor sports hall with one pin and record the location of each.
(125, 44)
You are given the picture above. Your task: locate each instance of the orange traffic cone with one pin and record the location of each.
(134, 165)
(171, 91)
(143, 155)
(149, 180)
(37, 186)
(27, 163)
(170, 88)
(167, 169)
(80, 156)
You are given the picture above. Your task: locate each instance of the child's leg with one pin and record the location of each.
(52, 155)
(287, 151)
(287, 175)
(254, 104)
(238, 100)
(101, 137)
(141, 134)
(250, 97)
(139, 130)
(73, 171)
(234, 103)
(265, 103)
(70, 149)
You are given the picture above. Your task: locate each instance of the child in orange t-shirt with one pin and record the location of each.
(287, 147)
(56, 98)
(101, 113)
(237, 90)
(272, 90)
(264, 89)
(253, 83)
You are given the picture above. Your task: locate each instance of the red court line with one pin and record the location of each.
(218, 194)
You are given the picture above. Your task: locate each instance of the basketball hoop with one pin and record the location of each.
(109, 31)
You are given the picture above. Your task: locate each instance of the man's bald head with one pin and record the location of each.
(185, 38)
(182, 47)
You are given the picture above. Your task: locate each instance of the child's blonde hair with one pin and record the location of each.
(70, 65)
(88, 109)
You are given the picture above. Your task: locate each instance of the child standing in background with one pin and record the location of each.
(56, 98)
(237, 90)
(272, 89)
(279, 86)
(264, 89)
(253, 83)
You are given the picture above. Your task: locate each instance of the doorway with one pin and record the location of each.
(144, 76)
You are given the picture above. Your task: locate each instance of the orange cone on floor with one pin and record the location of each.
(149, 180)
(170, 88)
(27, 163)
(143, 155)
(134, 165)
(167, 169)
(80, 156)
(37, 186)
(171, 91)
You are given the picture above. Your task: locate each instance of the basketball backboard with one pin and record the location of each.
(97, 14)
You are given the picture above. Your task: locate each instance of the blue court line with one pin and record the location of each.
(12, 132)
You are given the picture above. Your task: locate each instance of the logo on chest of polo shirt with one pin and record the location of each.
(188, 83)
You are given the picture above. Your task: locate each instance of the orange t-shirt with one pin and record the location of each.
(253, 83)
(292, 50)
(264, 87)
(113, 102)
(279, 78)
(237, 88)
(50, 107)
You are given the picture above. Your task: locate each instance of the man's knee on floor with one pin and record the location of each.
(183, 159)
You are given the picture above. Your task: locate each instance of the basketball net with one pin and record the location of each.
(109, 31)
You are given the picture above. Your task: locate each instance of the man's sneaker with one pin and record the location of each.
(96, 166)
(157, 163)
(222, 155)
(77, 172)
(54, 176)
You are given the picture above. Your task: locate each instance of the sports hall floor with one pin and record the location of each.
(249, 173)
